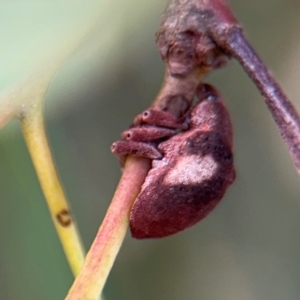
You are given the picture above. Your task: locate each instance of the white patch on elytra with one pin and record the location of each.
(192, 169)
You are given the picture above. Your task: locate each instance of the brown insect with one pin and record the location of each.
(191, 169)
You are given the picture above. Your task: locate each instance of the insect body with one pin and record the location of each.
(191, 170)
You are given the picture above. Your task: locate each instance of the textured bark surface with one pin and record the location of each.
(201, 34)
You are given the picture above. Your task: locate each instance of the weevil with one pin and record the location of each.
(191, 169)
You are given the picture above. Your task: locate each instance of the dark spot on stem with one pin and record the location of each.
(64, 218)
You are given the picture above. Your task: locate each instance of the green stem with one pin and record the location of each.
(36, 140)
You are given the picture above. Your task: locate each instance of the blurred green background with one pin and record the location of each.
(248, 248)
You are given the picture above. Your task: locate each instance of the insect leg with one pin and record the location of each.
(160, 118)
(122, 148)
(146, 133)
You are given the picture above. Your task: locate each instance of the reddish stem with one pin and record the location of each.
(282, 110)
(100, 258)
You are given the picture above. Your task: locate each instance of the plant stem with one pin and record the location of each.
(89, 283)
(36, 140)
(285, 115)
